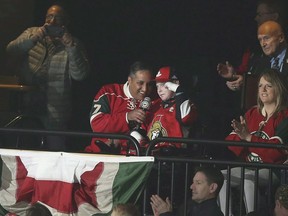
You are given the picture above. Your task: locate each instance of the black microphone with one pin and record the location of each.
(137, 132)
(144, 105)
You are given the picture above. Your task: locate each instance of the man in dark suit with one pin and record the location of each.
(274, 46)
(273, 43)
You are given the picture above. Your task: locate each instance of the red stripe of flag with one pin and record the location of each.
(62, 196)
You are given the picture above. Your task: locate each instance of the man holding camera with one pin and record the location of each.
(52, 59)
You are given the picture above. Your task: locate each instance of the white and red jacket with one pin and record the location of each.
(173, 118)
(109, 113)
(272, 130)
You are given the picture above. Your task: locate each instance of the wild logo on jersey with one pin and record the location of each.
(131, 104)
(157, 131)
(252, 156)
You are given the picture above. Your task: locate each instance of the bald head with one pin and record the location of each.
(270, 27)
(271, 38)
(56, 15)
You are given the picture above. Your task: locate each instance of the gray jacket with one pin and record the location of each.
(50, 68)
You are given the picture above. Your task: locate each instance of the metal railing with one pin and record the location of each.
(152, 143)
(187, 164)
(172, 176)
(185, 167)
(44, 133)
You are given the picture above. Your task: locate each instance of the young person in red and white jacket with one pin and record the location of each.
(177, 112)
(115, 109)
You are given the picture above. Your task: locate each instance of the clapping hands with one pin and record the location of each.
(240, 128)
(235, 84)
(225, 70)
(160, 206)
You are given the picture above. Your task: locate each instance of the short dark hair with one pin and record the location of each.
(213, 175)
(140, 65)
(282, 195)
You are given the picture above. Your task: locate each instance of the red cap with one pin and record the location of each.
(165, 74)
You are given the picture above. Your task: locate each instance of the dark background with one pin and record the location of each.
(192, 36)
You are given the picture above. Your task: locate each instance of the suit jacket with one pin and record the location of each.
(260, 63)
(257, 66)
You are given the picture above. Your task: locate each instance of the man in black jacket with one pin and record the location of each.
(272, 40)
(205, 187)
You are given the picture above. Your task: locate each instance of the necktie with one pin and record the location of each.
(275, 64)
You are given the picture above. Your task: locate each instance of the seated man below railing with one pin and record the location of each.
(207, 183)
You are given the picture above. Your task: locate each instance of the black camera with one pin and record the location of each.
(54, 31)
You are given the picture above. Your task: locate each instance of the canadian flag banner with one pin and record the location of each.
(69, 183)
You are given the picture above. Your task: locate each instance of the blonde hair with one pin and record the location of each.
(279, 83)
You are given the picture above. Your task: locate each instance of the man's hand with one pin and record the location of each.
(160, 206)
(236, 84)
(137, 115)
(67, 39)
(225, 70)
(40, 34)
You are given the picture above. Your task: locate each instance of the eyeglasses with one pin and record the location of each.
(57, 18)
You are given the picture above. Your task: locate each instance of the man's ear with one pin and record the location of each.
(129, 80)
(278, 204)
(213, 187)
(282, 38)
